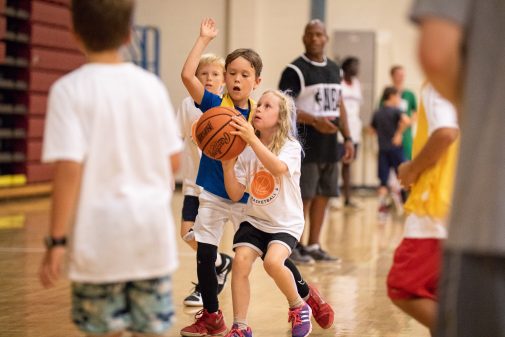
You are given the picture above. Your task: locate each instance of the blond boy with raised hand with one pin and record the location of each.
(210, 73)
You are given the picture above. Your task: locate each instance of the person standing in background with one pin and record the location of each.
(389, 123)
(353, 99)
(408, 105)
(314, 81)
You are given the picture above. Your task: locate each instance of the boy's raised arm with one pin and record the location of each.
(208, 32)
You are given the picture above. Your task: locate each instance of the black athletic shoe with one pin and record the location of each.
(321, 255)
(223, 271)
(195, 298)
(300, 256)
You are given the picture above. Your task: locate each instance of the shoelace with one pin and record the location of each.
(196, 288)
(200, 318)
(294, 317)
(236, 332)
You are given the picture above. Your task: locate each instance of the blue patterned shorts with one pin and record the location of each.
(140, 306)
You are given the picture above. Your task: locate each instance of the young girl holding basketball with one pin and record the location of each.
(269, 169)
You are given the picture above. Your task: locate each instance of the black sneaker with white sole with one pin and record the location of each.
(222, 271)
(320, 255)
(195, 298)
(300, 256)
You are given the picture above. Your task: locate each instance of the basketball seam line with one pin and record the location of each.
(222, 127)
(229, 147)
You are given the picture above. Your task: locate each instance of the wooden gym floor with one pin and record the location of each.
(355, 286)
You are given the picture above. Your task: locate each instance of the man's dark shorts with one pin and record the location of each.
(319, 179)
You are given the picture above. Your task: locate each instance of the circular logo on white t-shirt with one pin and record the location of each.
(264, 188)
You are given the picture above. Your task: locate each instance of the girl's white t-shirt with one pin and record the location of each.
(187, 115)
(117, 120)
(275, 203)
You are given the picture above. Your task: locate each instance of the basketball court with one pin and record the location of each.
(355, 286)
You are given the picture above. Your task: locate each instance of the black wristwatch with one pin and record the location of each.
(51, 242)
(348, 139)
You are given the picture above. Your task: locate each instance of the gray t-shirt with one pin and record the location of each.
(478, 217)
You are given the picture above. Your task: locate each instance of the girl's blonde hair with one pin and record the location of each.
(210, 58)
(286, 121)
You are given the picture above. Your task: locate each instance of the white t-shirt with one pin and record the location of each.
(353, 99)
(117, 120)
(188, 114)
(275, 203)
(440, 113)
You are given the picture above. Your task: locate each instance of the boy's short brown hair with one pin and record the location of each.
(102, 24)
(388, 92)
(250, 55)
(394, 68)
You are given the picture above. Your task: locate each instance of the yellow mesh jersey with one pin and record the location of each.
(227, 102)
(431, 195)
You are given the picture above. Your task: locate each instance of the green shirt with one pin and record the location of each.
(409, 106)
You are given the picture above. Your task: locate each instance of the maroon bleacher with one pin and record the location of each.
(36, 48)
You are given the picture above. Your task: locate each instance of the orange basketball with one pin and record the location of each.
(213, 137)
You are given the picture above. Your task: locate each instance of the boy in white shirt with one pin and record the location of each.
(111, 133)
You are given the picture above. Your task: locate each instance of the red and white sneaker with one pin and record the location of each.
(206, 324)
(322, 311)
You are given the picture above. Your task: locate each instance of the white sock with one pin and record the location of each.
(296, 303)
(312, 247)
(242, 323)
(219, 260)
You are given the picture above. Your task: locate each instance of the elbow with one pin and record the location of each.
(235, 196)
(234, 193)
(280, 171)
(451, 135)
(185, 77)
(446, 136)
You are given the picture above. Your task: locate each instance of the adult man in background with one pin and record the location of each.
(314, 81)
(408, 105)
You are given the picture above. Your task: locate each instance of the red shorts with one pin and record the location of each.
(415, 269)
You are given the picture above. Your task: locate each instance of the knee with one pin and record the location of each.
(241, 265)
(272, 266)
(240, 259)
(206, 253)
